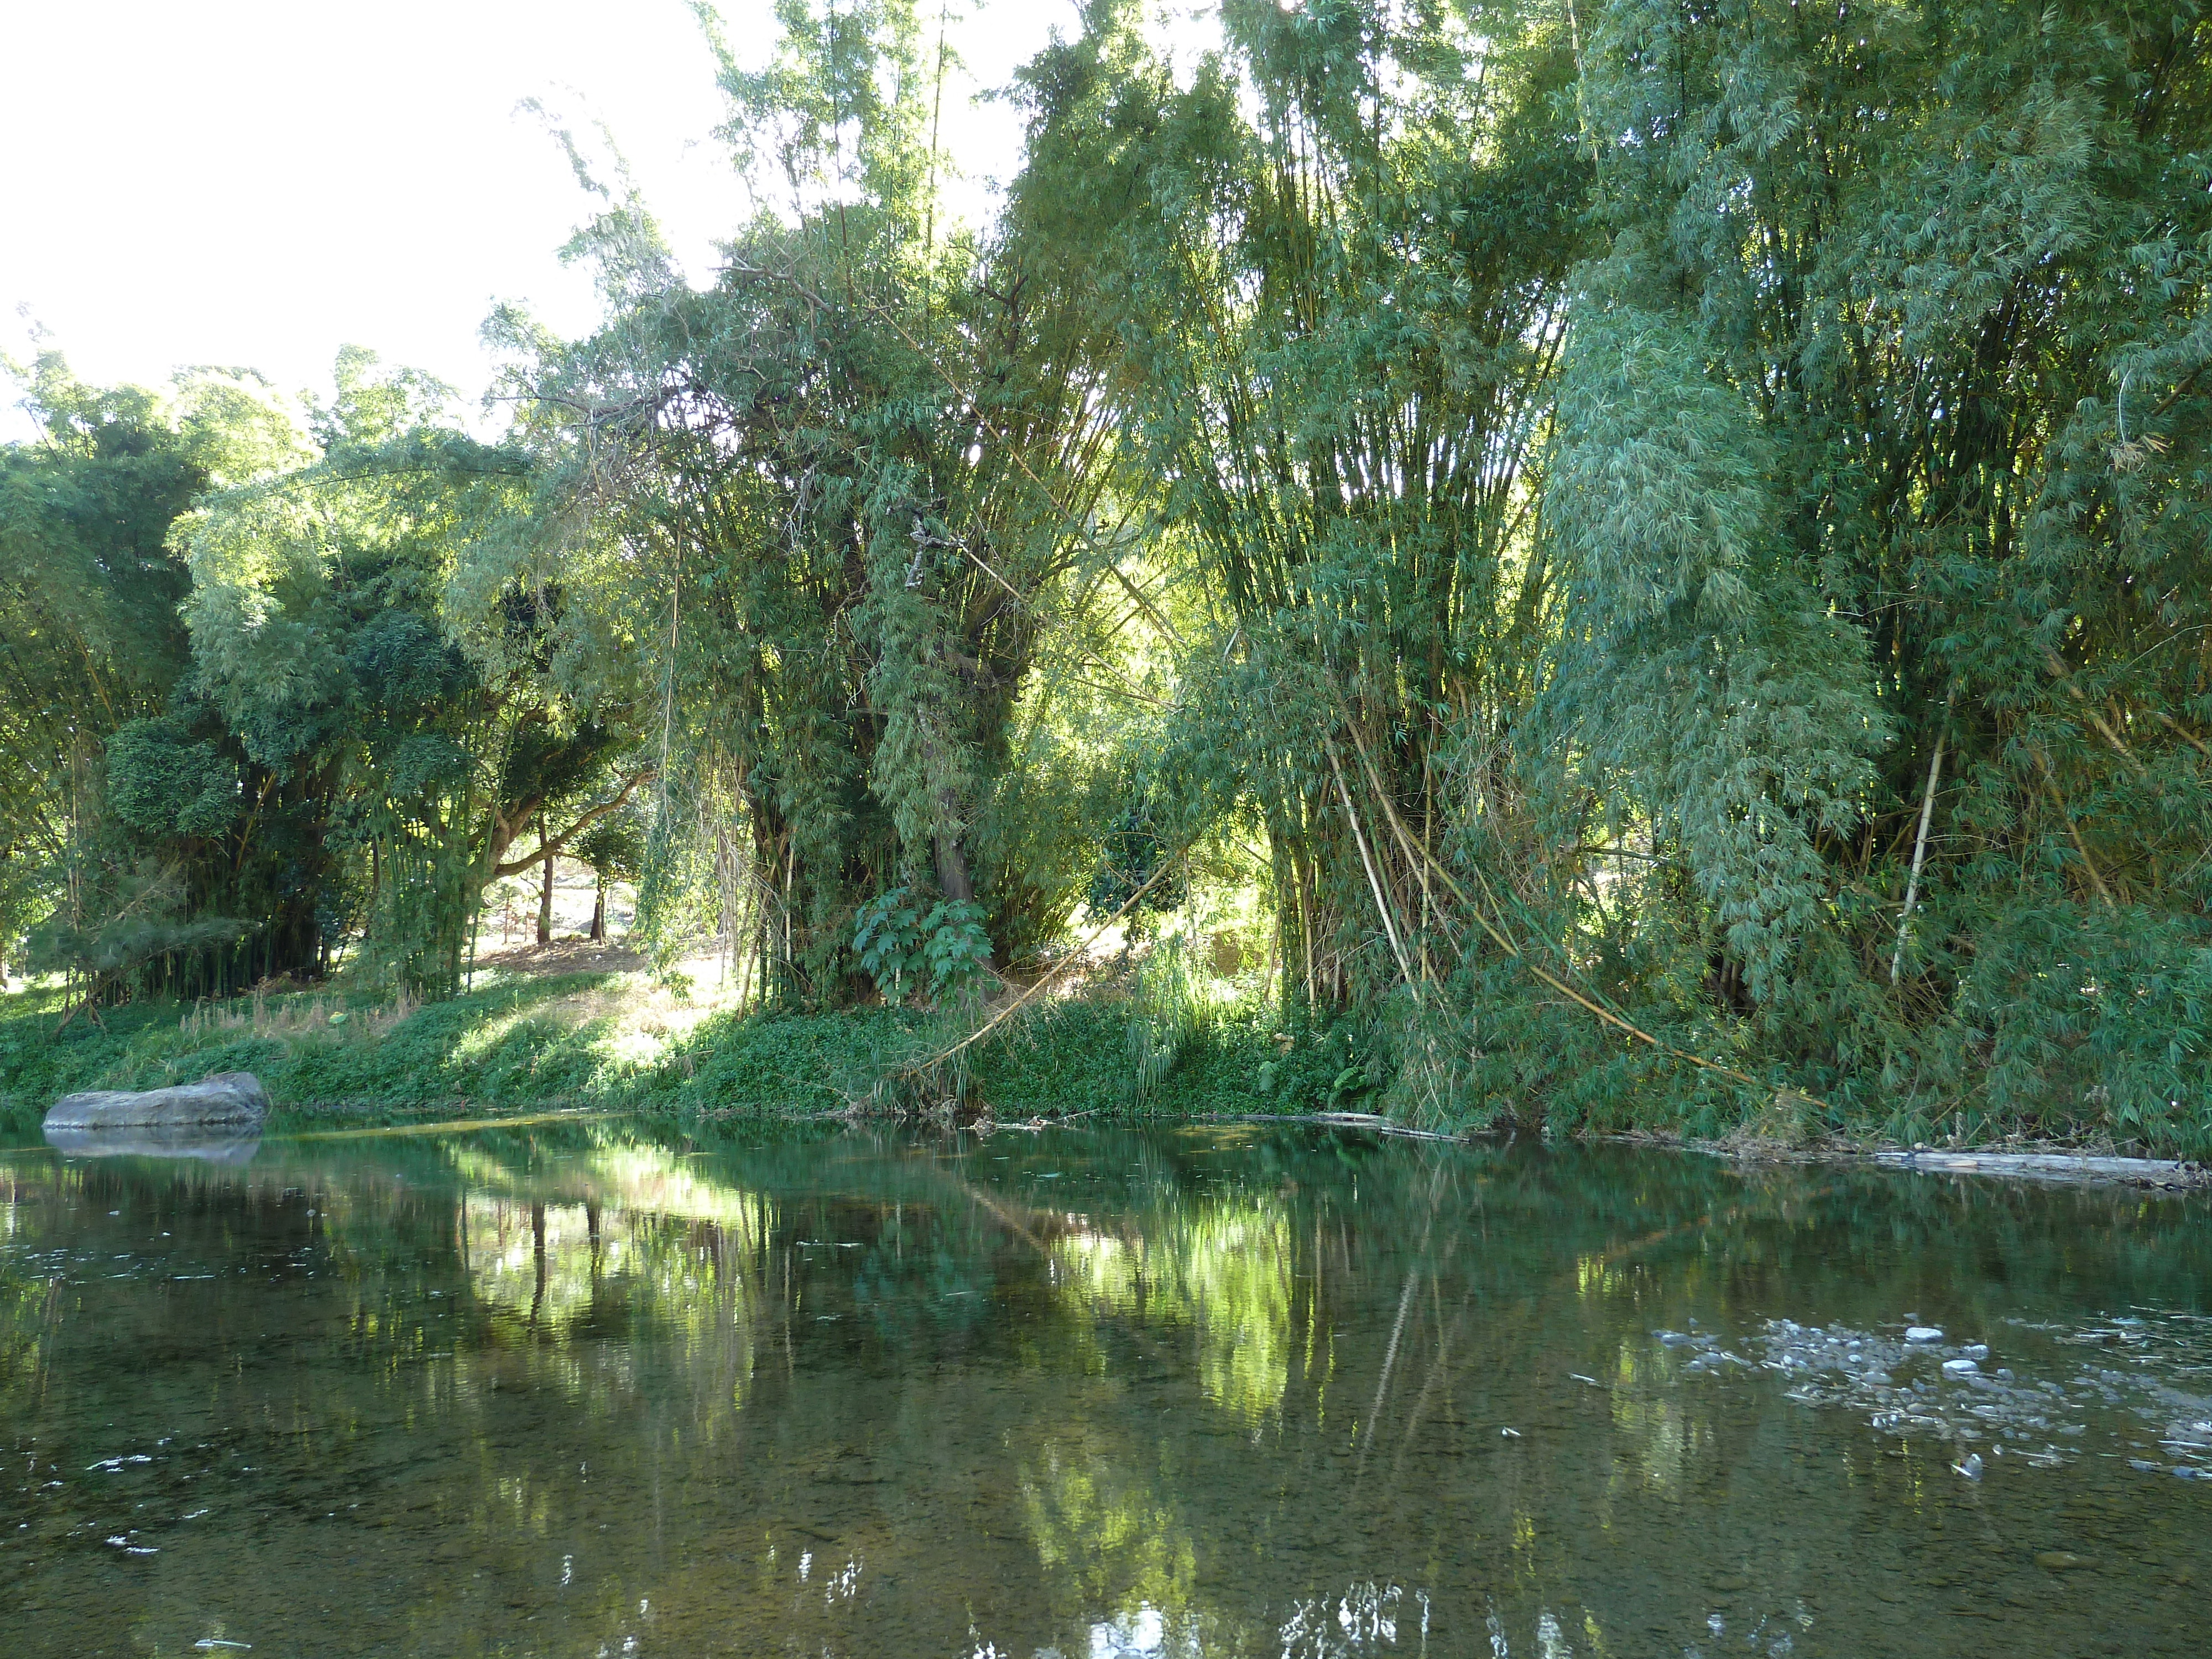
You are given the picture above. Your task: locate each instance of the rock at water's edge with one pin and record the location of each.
(232, 1098)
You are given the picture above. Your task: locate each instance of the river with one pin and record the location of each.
(605, 1387)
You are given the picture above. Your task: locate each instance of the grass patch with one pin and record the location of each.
(517, 1044)
(624, 1042)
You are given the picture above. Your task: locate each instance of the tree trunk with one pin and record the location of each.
(546, 894)
(952, 876)
(599, 910)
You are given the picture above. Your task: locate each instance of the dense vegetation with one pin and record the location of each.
(1631, 561)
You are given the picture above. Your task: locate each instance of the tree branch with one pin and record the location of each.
(559, 843)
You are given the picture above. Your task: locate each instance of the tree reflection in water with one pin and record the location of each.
(592, 1387)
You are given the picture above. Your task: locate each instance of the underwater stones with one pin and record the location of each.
(1946, 1392)
(230, 1099)
(1919, 1335)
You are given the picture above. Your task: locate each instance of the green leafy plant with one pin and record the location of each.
(955, 950)
(939, 952)
(888, 940)
(1165, 1016)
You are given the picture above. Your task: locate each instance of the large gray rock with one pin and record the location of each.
(232, 1099)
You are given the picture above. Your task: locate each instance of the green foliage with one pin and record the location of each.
(1884, 302)
(939, 953)
(1665, 545)
(1073, 1059)
(888, 942)
(1164, 1016)
(837, 501)
(306, 742)
(514, 1047)
(1340, 317)
(504, 1046)
(615, 846)
(148, 914)
(1130, 855)
(956, 952)
(1696, 679)
(90, 641)
(160, 783)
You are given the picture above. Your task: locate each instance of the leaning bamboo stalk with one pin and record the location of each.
(1504, 943)
(2058, 671)
(1919, 857)
(1374, 882)
(1049, 976)
(2182, 731)
(2073, 829)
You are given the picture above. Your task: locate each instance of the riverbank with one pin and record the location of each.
(613, 1039)
(593, 1030)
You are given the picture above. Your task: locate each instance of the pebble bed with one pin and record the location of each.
(2149, 1409)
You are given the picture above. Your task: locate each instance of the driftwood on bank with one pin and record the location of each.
(2052, 1166)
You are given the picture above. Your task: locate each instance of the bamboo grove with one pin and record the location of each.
(1663, 545)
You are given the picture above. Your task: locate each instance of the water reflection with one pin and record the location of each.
(581, 1388)
(1223, 1268)
(211, 1145)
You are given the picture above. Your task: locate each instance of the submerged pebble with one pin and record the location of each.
(1911, 1387)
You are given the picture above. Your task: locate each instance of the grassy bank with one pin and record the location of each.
(621, 1040)
(625, 1040)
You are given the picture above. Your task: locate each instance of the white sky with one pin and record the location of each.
(258, 182)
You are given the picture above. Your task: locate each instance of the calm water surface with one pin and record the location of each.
(592, 1388)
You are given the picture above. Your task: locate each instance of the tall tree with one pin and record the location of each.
(92, 645)
(1339, 260)
(834, 499)
(416, 736)
(1891, 412)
